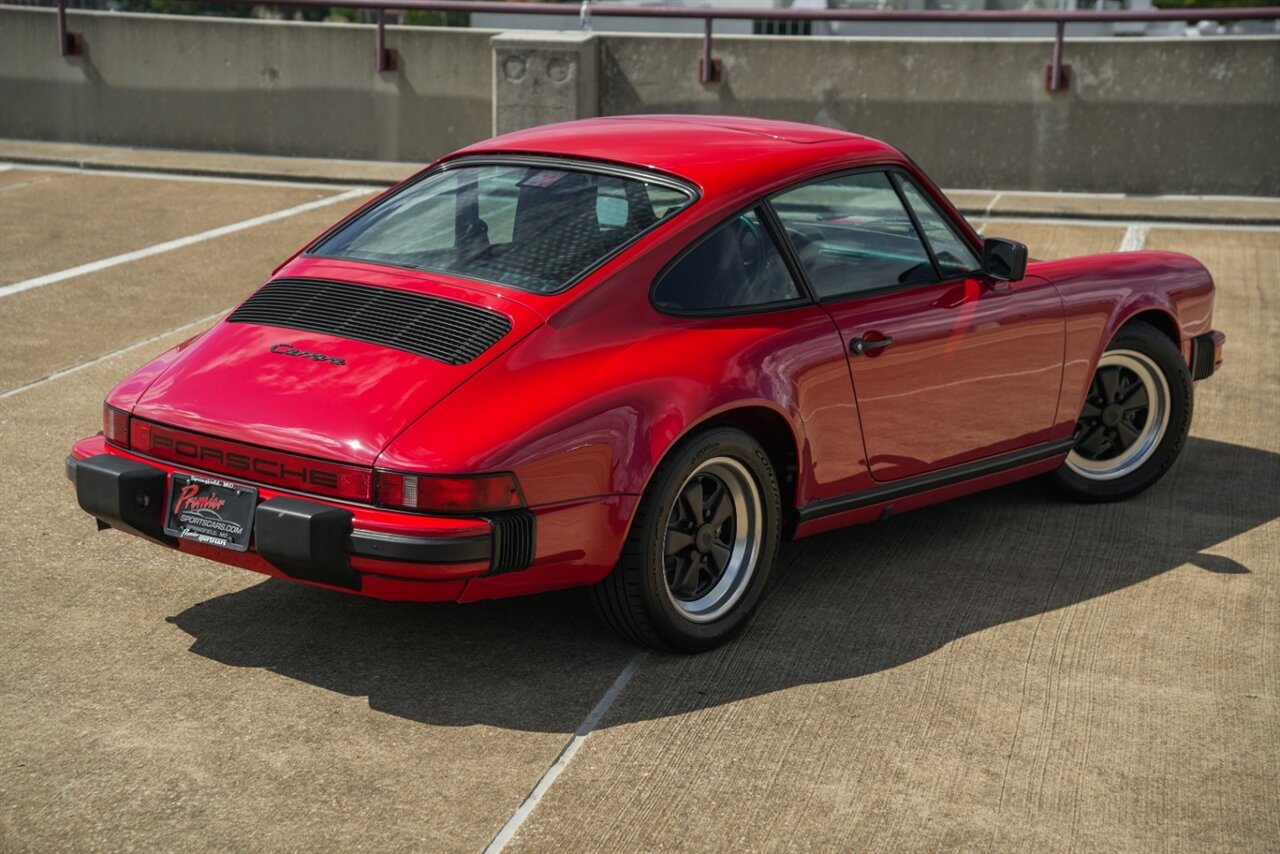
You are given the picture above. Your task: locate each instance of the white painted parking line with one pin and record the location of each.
(509, 830)
(56, 375)
(1135, 236)
(27, 183)
(1129, 223)
(1068, 194)
(301, 183)
(992, 203)
(180, 243)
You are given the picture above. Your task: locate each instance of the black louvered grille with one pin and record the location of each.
(515, 534)
(439, 329)
(1202, 357)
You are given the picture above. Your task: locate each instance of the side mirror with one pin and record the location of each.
(1004, 259)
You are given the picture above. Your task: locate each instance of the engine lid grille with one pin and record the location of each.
(440, 329)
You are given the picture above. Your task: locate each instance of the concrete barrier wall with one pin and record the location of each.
(226, 84)
(1140, 116)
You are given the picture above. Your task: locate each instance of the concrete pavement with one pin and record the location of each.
(1003, 672)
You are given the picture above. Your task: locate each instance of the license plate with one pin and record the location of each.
(213, 512)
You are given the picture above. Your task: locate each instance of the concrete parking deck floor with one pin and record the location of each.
(1003, 672)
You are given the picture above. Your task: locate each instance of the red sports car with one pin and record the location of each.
(638, 354)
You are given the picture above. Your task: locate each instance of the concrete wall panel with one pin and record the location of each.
(1142, 115)
(265, 87)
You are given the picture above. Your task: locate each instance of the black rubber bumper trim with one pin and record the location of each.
(122, 494)
(419, 549)
(303, 539)
(306, 540)
(934, 480)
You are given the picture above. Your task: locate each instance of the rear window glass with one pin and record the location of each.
(530, 227)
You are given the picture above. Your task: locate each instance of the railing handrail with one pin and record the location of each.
(621, 10)
(1056, 77)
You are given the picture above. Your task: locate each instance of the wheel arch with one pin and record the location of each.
(781, 439)
(1160, 320)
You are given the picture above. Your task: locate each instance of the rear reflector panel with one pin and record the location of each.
(249, 463)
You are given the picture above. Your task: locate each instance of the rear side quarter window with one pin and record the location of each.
(737, 267)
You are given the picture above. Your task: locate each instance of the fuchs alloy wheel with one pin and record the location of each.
(701, 546)
(1135, 418)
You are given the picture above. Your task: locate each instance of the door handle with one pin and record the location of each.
(858, 346)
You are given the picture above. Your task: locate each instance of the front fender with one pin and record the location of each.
(1101, 293)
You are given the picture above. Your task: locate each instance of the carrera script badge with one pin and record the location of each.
(290, 350)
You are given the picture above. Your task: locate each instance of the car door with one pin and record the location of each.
(948, 365)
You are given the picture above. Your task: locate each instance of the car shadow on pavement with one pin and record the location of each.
(842, 605)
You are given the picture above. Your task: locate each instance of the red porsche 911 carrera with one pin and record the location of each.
(638, 354)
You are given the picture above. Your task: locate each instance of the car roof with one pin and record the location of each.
(710, 151)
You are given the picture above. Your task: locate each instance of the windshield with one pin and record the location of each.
(532, 227)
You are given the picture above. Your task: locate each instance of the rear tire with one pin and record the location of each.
(1135, 420)
(701, 546)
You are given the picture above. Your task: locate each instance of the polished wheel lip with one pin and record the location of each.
(744, 550)
(1154, 427)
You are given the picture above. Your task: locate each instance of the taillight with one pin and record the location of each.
(115, 426)
(480, 494)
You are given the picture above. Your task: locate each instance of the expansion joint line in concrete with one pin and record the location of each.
(589, 723)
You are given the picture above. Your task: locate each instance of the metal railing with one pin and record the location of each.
(1057, 74)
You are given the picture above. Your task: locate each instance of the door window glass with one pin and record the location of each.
(853, 235)
(955, 258)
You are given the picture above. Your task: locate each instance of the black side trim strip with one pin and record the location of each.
(419, 549)
(934, 480)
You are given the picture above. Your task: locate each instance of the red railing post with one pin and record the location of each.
(68, 43)
(386, 59)
(708, 66)
(1058, 76)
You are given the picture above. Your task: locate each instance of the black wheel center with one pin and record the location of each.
(704, 538)
(1112, 414)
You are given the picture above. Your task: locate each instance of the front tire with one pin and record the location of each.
(701, 546)
(1135, 419)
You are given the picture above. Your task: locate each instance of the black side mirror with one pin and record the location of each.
(1004, 259)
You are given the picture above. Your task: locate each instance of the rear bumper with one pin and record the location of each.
(1206, 354)
(312, 541)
